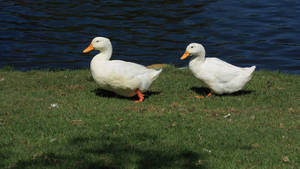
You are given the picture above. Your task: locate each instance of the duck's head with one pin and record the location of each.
(193, 49)
(98, 43)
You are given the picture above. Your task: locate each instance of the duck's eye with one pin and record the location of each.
(192, 46)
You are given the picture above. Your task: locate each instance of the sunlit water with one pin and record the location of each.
(52, 33)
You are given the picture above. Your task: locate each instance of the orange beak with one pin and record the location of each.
(185, 55)
(88, 49)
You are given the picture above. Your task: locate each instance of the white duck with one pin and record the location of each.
(219, 76)
(124, 78)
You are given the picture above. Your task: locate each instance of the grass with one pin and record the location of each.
(92, 128)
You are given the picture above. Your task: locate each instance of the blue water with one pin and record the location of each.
(52, 33)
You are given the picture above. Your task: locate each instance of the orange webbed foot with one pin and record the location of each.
(209, 94)
(202, 97)
(140, 95)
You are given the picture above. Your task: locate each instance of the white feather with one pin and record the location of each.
(118, 76)
(218, 75)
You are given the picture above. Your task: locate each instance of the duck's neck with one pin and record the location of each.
(104, 55)
(199, 57)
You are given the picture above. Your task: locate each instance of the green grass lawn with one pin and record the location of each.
(91, 128)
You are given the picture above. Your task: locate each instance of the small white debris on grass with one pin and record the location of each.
(1, 79)
(52, 140)
(286, 159)
(206, 150)
(54, 105)
(199, 163)
(227, 115)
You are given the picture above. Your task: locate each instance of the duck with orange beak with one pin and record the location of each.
(221, 77)
(124, 78)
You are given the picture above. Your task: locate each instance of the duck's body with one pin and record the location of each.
(218, 75)
(121, 77)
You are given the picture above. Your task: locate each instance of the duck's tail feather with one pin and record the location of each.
(252, 69)
(151, 76)
(156, 73)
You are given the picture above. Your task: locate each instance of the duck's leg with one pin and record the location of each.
(140, 95)
(210, 93)
(202, 97)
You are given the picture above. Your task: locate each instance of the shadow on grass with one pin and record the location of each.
(110, 151)
(203, 91)
(3, 156)
(104, 93)
(4, 153)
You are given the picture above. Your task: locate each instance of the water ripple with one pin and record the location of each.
(52, 33)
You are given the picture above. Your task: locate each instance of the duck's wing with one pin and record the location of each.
(221, 70)
(127, 69)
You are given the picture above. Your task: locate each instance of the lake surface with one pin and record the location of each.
(51, 34)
